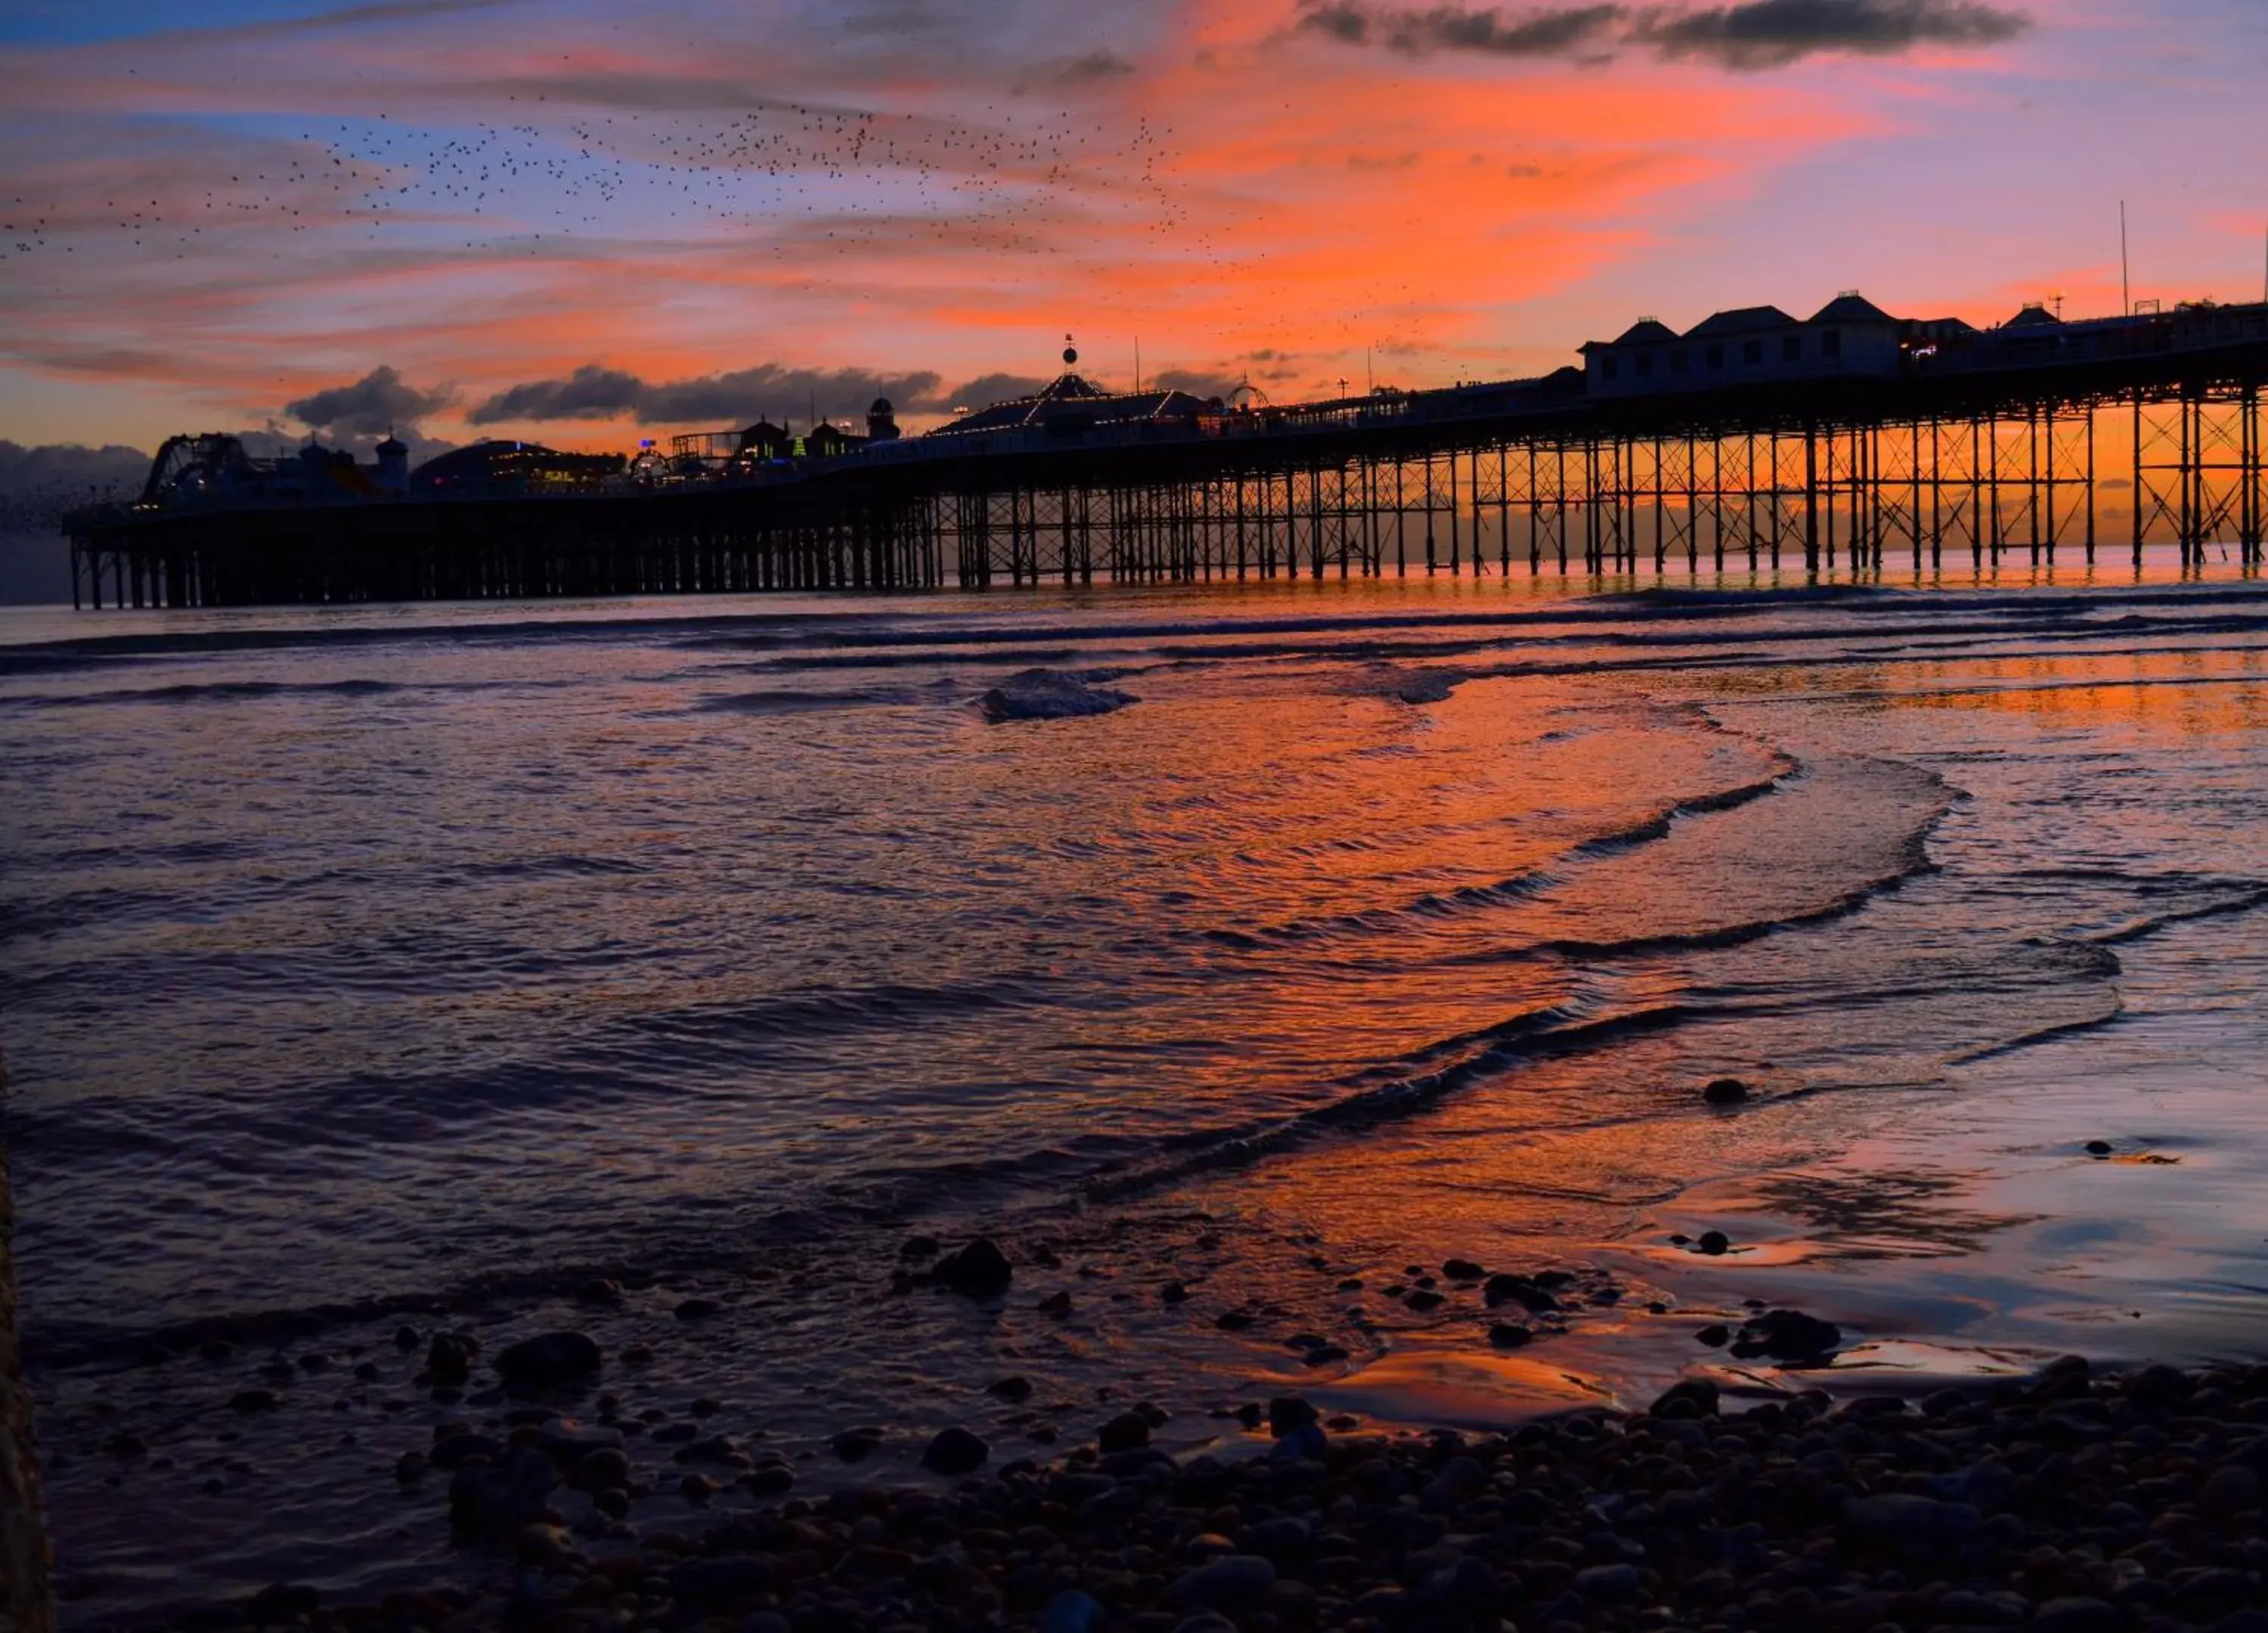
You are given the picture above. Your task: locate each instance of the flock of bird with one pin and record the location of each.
(565, 157)
(797, 179)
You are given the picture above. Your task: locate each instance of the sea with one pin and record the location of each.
(368, 971)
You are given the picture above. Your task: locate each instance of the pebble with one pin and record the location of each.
(607, 1467)
(954, 1452)
(1787, 1336)
(1126, 1432)
(1069, 1611)
(2072, 1502)
(498, 1500)
(980, 1270)
(1525, 1291)
(549, 1359)
(2074, 1613)
(1919, 1527)
(1234, 1582)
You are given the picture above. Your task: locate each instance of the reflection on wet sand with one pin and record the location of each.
(718, 956)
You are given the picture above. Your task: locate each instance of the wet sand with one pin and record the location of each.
(1358, 979)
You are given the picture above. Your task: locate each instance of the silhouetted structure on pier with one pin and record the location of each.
(1851, 439)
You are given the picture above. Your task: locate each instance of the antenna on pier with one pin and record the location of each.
(2125, 276)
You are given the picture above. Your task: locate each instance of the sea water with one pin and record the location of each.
(388, 965)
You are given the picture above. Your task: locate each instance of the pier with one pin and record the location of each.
(2091, 440)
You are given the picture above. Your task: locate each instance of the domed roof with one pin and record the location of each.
(881, 406)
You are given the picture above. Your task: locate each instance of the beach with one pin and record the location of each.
(1331, 1021)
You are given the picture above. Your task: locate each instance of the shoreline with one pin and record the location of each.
(2072, 1501)
(1916, 1162)
(558, 1481)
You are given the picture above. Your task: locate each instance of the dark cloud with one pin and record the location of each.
(769, 390)
(386, 12)
(1768, 33)
(377, 403)
(1197, 382)
(37, 485)
(1749, 35)
(988, 388)
(590, 393)
(1552, 32)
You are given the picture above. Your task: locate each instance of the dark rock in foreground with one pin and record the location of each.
(2068, 1503)
(1050, 695)
(980, 1269)
(549, 1359)
(1787, 1335)
(955, 1452)
(499, 1500)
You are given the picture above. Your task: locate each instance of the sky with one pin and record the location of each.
(588, 224)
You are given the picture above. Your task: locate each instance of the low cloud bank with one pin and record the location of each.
(771, 391)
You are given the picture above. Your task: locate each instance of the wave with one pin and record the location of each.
(840, 1010)
(784, 701)
(1851, 901)
(206, 692)
(2245, 900)
(1555, 1029)
(1436, 905)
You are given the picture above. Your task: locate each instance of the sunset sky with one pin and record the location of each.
(589, 223)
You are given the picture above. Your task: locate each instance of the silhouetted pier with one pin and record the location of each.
(2020, 455)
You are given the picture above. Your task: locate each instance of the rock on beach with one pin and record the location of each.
(1050, 695)
(2071, 1502)
(549, 1359)
(980, 1270)
(954, 1452)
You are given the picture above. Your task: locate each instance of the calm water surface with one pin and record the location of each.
(361, 961)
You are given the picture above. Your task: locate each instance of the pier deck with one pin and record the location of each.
(2164, 443)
